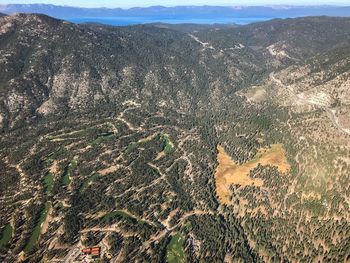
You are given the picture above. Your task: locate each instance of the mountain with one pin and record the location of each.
(145, 57)
(179, 11)
(192, 28)
(154, 143)
(289, 38)
(101, 56)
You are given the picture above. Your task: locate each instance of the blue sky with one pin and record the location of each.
(133, 3)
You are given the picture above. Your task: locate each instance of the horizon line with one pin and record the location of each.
(170, 6)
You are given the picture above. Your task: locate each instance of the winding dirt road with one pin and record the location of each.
(330, 113)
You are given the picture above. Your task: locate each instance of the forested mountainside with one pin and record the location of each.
(161, 142)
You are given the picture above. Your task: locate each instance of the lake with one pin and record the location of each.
(125, 21)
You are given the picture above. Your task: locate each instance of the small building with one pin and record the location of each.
(94, 252)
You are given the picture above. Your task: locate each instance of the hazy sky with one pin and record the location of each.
(133, 3)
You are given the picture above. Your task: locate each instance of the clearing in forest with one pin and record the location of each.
(255, 94)
(34, 238)
(6, 235)
(228, 172)
(175, 251)
(119, 215)
(48, 182)
(168, 145)
(67, 172)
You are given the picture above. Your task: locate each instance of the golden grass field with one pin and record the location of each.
(228, 172)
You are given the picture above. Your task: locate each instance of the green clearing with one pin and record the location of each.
(37, 229)
(67, 172)
(168, 146)
(88, 181)
(48, 183)
(175, 251)
(6, 235)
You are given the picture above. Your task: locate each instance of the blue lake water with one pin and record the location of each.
(124, 21)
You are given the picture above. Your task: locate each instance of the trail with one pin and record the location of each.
(154, 182)
(121, 118)
(335, 121)
(142, 187)
(205, 45)
(167, 230)
(108, 229)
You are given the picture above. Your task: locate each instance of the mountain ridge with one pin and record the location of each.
(179, 11)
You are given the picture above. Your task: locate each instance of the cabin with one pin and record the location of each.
(94, 252)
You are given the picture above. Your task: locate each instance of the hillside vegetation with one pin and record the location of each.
(170, 144)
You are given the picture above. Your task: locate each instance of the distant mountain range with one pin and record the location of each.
(179, 11)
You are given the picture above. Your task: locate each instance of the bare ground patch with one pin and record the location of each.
(255, 94)
(109, 170)
(54, 167)
(228, 172)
